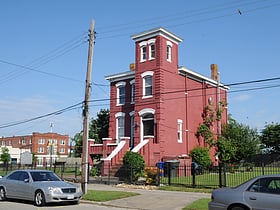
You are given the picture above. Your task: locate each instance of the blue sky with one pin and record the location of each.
(43, 54)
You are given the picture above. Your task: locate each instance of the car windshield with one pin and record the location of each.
(39, 176)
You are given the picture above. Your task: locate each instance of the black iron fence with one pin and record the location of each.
(165, 173)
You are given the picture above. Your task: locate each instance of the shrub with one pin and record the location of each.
(201, 156)
(134, 163)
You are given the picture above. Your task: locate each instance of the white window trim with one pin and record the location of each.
(132, 95)
(150, 43)
(142, 45)
(169, 46)
(141, 113)
(180, 130)
(143, 75)
(118, 86)
(118, 115)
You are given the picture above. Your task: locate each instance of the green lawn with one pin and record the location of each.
(101, 196)
(201, 204)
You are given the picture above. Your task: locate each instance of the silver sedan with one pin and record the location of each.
(259, 193)
(40, 186)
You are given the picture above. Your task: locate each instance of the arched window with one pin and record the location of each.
(169, 51)
(143, 53)
(152, 49)
(148, 124)
(147, 84)
(120, 93)
(120, 117)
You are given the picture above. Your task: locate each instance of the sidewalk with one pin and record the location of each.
(149, 199)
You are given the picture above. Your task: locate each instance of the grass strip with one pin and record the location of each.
(200, 204)
(101, 196)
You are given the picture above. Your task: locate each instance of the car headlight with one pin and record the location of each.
(55, 190)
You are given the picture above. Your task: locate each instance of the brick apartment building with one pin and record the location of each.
(156, 106)
(47, 147)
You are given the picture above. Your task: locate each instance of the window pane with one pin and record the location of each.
(148, 123)
(132, 92)
(148, 85)
(122, 95)
(152, 51)
(120, 127)
(144, 53)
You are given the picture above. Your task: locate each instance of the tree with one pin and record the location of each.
(78, 141)
(99, 127)
(238, 141)
(5, 156)
(270, 137)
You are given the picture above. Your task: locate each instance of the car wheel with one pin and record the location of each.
(2, 194)
(39, 199)
(238, 208)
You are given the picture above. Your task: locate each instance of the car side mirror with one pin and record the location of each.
(26, 180)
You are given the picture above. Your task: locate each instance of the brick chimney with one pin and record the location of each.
(214, 72)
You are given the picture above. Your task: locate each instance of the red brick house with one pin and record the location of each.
(156, 106)
(48, 147)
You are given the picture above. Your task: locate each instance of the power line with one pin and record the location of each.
(79, 105)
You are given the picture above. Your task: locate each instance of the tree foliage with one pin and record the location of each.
(201, 156)
(270, 137)
(5, 156)
(238, 141)
(78, 141)
(99, 127)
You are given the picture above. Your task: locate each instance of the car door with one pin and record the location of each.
(24, 186)
(264, 194)
(12, 185)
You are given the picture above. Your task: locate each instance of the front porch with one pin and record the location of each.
(112, 153)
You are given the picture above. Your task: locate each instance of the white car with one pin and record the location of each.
(40, 186)
(259, 193)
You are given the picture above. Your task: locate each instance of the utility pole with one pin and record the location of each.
(84, 176)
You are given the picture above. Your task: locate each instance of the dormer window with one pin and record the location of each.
(120, 93)
(169, 51)
(147, 84)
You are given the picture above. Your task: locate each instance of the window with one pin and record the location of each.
(151, 44)
(152, 51)
(120, 93)
(148, 88)
(266, 185)
(148, 124)
(147, 84)
(23, 142)
(40, 161)
(143, 53)
(40, 149)
(169, 51)
(62, 150)
(41, 141)
(131, 129)
(62, 142)
(179, 131)
(132, 89)
(119, 125)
